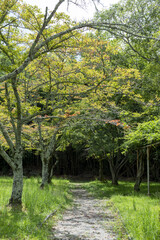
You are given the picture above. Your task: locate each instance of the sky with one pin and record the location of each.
(74, 12)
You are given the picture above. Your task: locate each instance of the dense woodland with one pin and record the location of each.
(79, 99)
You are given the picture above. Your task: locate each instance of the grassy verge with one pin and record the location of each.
(139, 213)
(37, 205)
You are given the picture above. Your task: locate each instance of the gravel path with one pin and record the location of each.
(87, 220)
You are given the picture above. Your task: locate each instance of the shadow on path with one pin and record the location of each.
(89, 219)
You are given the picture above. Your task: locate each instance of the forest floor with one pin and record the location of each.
(88, 219)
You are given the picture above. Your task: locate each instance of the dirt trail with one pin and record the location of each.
(87, 220)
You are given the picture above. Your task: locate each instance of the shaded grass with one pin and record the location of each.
(37, 205)
(139, 213)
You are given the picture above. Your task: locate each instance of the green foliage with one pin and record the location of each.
(145, 133)
(37, 205)
(138, 17)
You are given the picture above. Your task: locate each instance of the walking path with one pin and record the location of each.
(89, 219)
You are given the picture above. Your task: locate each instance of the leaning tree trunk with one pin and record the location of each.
(17, 188)
(140, 170)
(46, 155)
(51, 168)
(17, 168)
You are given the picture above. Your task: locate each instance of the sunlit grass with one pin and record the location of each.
(37, 205)
(139, 213)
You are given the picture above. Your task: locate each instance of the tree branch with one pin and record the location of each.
(10, 109)
(6, 136)
(19, 114)
(7, 158)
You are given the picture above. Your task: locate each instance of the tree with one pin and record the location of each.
(65, 83)
(133, 18)
(143, 136)
(18, 51)
(14, 158)
(101, 105)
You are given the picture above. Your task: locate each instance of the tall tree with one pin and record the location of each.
(19, 48)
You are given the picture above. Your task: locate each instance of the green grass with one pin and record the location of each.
(37, 205)
(139, 213)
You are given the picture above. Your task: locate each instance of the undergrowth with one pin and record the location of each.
(37, 205)
(139, 213)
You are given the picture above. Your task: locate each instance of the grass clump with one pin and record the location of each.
(139, 213)
(37, 205)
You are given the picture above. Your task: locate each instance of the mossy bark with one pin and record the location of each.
(45, 172)
(17, 188)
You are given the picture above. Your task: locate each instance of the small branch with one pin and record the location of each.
(54, 165)
(50, 215)
(151, 145)
(142, 56)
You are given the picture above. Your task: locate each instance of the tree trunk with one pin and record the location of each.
(17, 188)
(114, 177)
(113, 172)
(45, 172)
(51, 168)
(46, 155)
(140, 170)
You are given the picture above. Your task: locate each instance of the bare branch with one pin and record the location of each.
(45, 23)
(93, 25)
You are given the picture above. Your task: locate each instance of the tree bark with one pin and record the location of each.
(113, 172)
(45, 172)
(51, 168)
(17, 188)
(140, 170)
(46, 155)
(114, 177)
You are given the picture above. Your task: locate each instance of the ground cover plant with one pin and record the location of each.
(37, 205)
(139, 213)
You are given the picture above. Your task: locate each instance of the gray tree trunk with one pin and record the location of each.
(17, 188)
(45, 172)
(46, 155)
(114, 176)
